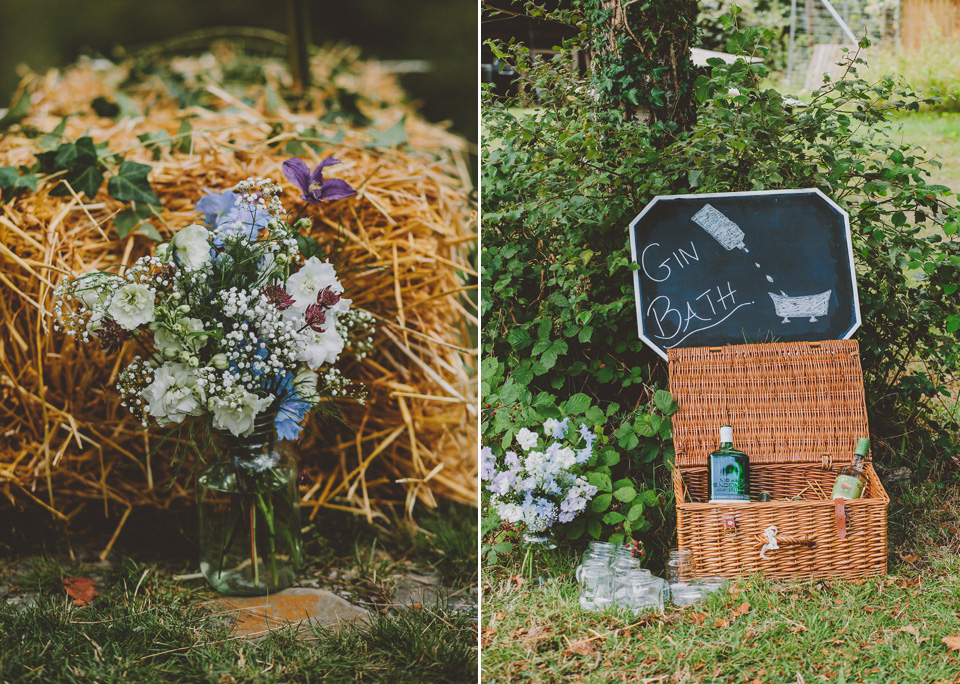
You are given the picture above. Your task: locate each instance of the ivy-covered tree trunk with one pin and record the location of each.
(640, 57)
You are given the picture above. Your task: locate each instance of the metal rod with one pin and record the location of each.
(839, 20)
(793, 31)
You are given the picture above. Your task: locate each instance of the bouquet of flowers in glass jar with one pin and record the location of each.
(541, 486)
(239, 335)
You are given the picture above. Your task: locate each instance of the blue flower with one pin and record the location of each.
(222, 211)
(293, 409)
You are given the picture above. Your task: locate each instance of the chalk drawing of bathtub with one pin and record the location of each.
(801, 307)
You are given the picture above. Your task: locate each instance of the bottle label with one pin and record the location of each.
(728, 479)
(847, 487)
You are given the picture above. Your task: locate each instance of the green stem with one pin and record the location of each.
(253, 545)
(236, 511)
(266, 507)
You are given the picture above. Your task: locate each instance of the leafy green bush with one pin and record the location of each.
(561, 183)
(933, 68)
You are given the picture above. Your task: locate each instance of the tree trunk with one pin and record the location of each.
(641, 57)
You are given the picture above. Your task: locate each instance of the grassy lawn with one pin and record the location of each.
(147, 625)
(888, 629)
(939, 134)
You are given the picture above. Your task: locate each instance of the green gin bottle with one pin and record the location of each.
(851, 480)
(728, 471)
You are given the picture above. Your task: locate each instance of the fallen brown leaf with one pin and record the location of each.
(697, 617)
(80, 589)
(952, 642)
(909, 629)
(869, 609)
(721, 623)
(582, 647)
(742, 609)
(908, 557)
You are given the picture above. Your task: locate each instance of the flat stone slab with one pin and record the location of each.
(297, 607)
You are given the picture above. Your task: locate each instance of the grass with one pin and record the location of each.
(147, 626)
(939, 134)
(887, 629)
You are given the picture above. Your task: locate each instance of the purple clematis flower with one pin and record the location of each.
(312, 184)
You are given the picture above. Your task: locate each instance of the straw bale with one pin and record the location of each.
(64, 440)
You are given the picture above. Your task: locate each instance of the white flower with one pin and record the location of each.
(237, 411)
(305, 382)
(193, 246)
(305, 284)
(526, 439)
(170, 397)
(132, 306)
(318, 349)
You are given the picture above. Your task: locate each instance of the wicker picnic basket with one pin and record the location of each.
(797, 409)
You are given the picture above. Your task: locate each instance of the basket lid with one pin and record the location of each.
(790, 402)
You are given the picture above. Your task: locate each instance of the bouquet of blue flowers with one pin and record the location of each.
(541, 485)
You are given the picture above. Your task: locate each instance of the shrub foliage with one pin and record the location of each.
(562, 181)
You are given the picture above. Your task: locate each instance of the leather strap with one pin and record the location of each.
(841, 519)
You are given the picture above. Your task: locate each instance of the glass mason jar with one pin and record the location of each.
(249, 510)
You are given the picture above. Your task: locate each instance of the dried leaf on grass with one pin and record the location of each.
(80, 589)
(581, 647)
(952, 642)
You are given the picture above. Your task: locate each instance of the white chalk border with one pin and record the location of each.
(756, 193)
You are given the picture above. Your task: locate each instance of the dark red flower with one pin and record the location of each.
(111, 335)
(316, 317)
(279, 297)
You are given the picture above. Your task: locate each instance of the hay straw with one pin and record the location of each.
(64, 440)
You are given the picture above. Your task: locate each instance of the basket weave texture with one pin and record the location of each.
(797, 410)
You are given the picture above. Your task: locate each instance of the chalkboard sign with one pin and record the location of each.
(743, 267)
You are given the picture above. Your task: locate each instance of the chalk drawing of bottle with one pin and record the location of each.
(725, 231)
(801, 307)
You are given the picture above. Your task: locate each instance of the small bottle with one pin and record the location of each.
(851, 480)
(728, 471)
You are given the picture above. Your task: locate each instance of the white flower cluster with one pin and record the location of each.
(240, 332)
(543, 486)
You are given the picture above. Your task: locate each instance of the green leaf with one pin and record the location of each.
(17, 112)
(616, 538)
(664, 401)
(625, 494)
(594, 528)
(610, 457)
(503, 547)
(600, 480)
(149, 230)
(50, 141)
(8, 176)
(575, 529)
(613, 517)
(104, 107)
(576, 404)
(693, 176)
(125, 222)
(636, 510)
(519, 338)
(395, 136)
(28, 181)
(585, 333)
(88, 181)
(601, 503)
(183, 142)
(131, 184)
(309, 247)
